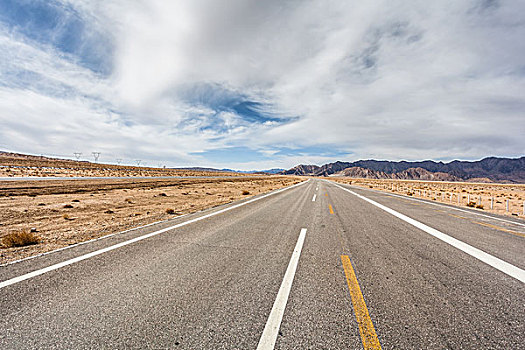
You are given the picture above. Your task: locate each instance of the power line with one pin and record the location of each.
(96, 155)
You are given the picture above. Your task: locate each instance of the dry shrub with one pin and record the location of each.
(68, 206)
(109, 211)
(471, 204)
(479, 206)
(170, 211)
(245, 193)
(20, 239)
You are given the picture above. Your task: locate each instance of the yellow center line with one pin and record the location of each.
(521, 234)
(366, 327)
(331, 209)
(457, 216)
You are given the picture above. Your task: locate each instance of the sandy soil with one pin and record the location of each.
(455, 193)
(67, 212)
(21, 165)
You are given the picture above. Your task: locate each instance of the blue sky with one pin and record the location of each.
(255, 85)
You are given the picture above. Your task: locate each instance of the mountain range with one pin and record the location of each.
(491, 169)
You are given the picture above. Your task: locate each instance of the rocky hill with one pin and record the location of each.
(409, 174)
(492, 168)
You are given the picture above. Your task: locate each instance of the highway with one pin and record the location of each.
(315, 266)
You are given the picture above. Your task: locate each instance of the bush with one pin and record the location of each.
(471, 204)
(20, 239)
(244, 193)
(170, 211)
(68, 206)
(479, 206)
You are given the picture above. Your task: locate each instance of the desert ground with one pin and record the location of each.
(21, 165)
(65, 212)
(487, 197)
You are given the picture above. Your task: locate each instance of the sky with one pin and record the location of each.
(249, 84)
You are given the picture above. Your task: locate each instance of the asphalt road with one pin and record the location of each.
(283, 271)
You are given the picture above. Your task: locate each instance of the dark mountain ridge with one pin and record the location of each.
(493, 168)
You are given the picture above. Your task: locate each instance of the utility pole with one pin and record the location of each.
(118, 161)
(96, 155)
(77, 155)
(138, 162)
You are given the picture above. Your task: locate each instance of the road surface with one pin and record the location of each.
(315, 266)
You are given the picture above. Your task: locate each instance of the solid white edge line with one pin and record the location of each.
(499, 264)
(271, 329)
(92, 240)
(314, 197)
(137, 239)
(440, 205)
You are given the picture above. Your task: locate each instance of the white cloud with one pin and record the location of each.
(383, 79)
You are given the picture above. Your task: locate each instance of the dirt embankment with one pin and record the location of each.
(22, 165)
(65, 212)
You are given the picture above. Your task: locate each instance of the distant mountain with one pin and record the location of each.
(205, 169)
(303, 170)
(269, 171)
(272, 171)
(409, 174)
(492, 168)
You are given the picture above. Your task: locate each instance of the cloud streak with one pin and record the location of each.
(250, 84)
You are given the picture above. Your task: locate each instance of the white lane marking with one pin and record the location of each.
(313, 199)
(271, 330)
(444, 206)
(499, 264)
(137, 239)
(89, 241)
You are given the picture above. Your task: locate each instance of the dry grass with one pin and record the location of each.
(490, 197)
(104, 209)
(20, 239)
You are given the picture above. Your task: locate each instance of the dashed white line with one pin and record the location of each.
(313, 199)
(122, 244)
(499, 264)
(271, 330)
